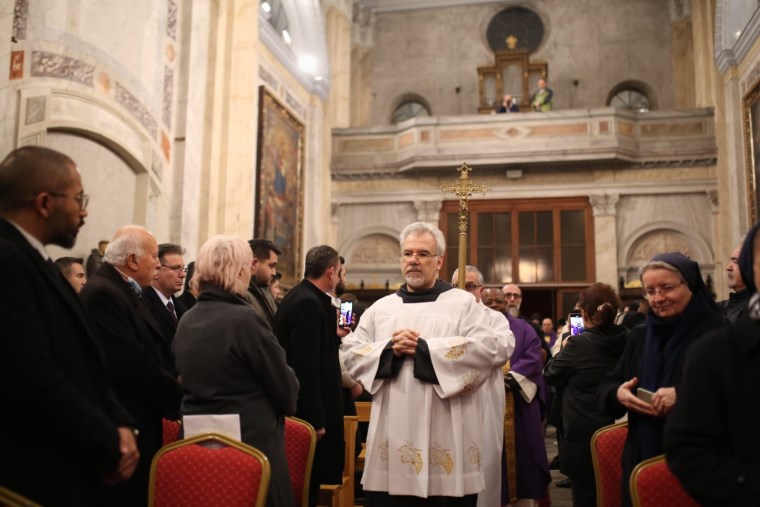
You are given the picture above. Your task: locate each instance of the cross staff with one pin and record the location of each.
(463, 189)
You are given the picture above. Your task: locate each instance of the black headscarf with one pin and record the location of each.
(747, 259)
(666, 342)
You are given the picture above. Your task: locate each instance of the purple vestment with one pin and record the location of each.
(532, 464)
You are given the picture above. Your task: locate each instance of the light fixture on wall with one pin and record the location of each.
(266, 7)
(307, 63)
(286, 37)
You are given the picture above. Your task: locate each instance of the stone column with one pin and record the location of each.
(338, 31)
(362, 62)
(605, 237)
(229, 169)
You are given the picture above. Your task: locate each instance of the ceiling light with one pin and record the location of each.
(266, 7)
(286, 36)
(307, 63)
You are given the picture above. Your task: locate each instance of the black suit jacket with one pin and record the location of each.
(58, 431)
(161, 314)
(306, 326)
(137, 354)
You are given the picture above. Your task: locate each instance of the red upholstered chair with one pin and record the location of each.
(208, 469)
(654, 485)
(606, 453)
(171, 431)
(300, 442)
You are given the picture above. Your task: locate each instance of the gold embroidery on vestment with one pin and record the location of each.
(474, 453)
(457, 351)
(383, 450)
(441, 457)
(358, 355)
(469, 381)
(411, 456)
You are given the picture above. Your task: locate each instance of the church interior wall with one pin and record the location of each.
(434, 52)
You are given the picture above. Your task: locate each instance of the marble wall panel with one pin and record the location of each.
(136, 109)
(166, 109)
(20, 19)
(45, 64)
(17, 65)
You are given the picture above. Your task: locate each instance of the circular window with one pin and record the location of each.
(410, 109)
(522, 26)
(630, 98)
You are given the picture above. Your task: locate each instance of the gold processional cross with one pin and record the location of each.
(463, 189)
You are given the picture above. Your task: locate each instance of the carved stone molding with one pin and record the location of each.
(375, 249)
(658, 242)
(428, 211)
(604, 204)
(712, 199)
(363, 26)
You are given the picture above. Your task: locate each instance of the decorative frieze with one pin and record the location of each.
(136, 109)
(54, 65)
(604, 204)
(166, 110)
(20, 19)
(171, 20)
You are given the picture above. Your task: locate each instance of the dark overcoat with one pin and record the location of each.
(58, 431)
(231, 363)
(306, 325)
(139, 362)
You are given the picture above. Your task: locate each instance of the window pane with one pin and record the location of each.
(545, 264)
(573, 241)
(485, 229)
(527, 225)
(573, 264)
(544, 228)
(503, 228)
(527, 269)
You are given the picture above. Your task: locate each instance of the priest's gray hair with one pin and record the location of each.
(129, 239)
(418, 228)
(469, 269)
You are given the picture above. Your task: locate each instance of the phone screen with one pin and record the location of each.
(346, 313)
(576, 324)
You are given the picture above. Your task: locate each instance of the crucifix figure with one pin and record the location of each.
(463, 189)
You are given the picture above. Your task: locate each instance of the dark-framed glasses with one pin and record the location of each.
(422, 256)
(81, 198)
(176, 268)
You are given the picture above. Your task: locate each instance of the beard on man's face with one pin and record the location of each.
(513, 310)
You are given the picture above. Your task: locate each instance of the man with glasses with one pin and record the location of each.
(63, 436)
(168, 281)
(423, 353)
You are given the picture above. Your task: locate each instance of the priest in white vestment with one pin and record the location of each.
(424, 353)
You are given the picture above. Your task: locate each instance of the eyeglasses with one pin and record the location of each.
(82, 198)
(422, 257)
(175, 268)
(469, 286)
(663, 291)
(512, 295)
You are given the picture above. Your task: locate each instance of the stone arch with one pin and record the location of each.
(639, 86)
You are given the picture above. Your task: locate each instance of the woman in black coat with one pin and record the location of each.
(231, 363)
(579, 368)
(711, 440)
(681, 311)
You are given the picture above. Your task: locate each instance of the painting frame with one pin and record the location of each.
(751, 127)
(278, 211)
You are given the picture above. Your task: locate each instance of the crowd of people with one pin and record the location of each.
(461, 383)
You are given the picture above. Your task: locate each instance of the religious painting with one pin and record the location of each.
(279, 183)
(752, 149)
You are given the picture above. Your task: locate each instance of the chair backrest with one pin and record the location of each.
(363, 410)
(10, 498)
(654, 485)
(208, 469)
(607, 453)
(171, 430)
(300, 442)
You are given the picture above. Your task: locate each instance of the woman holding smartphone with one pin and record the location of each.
(578, 369)
(681, 310)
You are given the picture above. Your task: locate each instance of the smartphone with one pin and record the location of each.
(346, 313)
(576, 324)
(644, 394)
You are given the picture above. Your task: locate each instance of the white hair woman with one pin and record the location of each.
(229, 361)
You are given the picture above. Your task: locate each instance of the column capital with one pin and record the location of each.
(428, 211)
(604, 204)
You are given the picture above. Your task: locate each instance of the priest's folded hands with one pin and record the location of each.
(405, 342)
